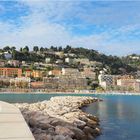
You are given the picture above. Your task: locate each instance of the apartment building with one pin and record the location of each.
(37, 74)
(133, 84)
(71, 72)
(10, 72)
(20, 82)
(65, 83)
(89, 73)
(15, 63)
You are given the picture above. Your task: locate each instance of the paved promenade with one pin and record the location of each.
(12, 124)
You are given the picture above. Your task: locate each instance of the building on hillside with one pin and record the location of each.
(37, 84)
(4, 82)
(60, 54)
(65, 83)
(22, 82)
(106, 81)
(37, 73)
(14, 63)
(2, 63)
(51, 82)
(55, 72)
(34, 73)
(10, 72)
(126, 82)
(71, 72)
(28, 73)
(89, 73)
(73, 83)
(70, 55)
(48, 60)
(69, 60)
(59, 61)
(129, 83)
(84, 61)
(137, 86)
(134, 57)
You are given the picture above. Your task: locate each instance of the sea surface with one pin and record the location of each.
(119, 115)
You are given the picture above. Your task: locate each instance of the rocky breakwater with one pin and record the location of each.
(61, 118)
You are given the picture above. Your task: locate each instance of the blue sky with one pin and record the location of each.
(111, 27)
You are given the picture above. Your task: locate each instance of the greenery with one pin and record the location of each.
(113, 64)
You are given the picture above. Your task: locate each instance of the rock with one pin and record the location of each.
(56, 122)
(64, 131)
(78, 133)
(94, 118)
(59, 137)
(60, 118)
(49, 137)
(88, 130)
(96, 132)
(80, 124)
(92, 124)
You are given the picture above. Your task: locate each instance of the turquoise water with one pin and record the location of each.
(31, 98)
(119, 115)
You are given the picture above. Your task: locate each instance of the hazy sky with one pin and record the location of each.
(111, 27)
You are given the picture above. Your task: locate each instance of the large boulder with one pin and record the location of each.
(64, 131)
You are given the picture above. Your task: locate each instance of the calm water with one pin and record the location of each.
(119, 115)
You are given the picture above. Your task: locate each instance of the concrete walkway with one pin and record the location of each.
(12, 124)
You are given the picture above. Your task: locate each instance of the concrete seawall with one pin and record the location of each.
(12, 124)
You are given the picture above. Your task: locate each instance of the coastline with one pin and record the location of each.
(74, 93)
(61, 118)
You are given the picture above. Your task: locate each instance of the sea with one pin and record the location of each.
(119, 114)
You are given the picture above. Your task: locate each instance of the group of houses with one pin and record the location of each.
(56, 79)
(119, 82)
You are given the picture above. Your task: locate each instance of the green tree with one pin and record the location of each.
(13, 48)
(35, 48)
(7, 48)
(20, 49)
(25, 49)
(42, 49)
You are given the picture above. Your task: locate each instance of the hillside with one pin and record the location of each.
(113, 64)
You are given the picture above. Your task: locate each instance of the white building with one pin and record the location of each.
(69, 60)
(105, 80)
(47, 60)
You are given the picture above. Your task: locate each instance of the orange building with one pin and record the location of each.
(10, 72)
(34, 73)
(55, 72)
(37, 73)
(28, 73)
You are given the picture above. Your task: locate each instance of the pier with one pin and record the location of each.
(12, 124)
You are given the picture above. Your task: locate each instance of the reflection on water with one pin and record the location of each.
(120, 117)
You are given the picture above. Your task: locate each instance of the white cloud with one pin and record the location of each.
(42, 27)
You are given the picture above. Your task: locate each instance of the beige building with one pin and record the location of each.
(65, 83)
(71, 72)
(89, 73)
(20, 82)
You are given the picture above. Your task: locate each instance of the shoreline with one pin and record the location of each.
(61, 118)
(74, 93)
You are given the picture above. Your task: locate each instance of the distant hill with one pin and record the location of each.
(114, 64)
